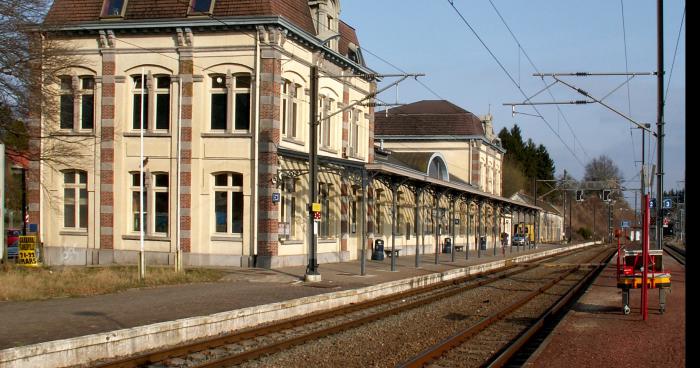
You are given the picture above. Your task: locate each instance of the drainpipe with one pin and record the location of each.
(254, 181)
(178, 254)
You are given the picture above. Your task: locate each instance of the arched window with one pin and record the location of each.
(228, 203)
(75, 200)
(437, 168)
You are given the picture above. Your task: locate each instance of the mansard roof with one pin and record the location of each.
(77, 11)
(427, 118)
(74, 12)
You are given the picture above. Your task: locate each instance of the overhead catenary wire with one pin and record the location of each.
(675, 51)
(532, 63)
(451, 2)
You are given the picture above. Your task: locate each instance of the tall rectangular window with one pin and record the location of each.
(138, 216)
(353, 210)
(66, 105)
(75, 200)
(324, 199)
(161, 203)
(379, 212)
(399, 214)
(355, 131)
(230, 102)
(162, 110)
(156, 102)
(77, 102)
(139, 113)
(228, 203)
(288, 206)
(290, 111)
(325, 135)
(242, 111)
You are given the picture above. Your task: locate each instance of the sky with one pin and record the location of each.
(428, 36)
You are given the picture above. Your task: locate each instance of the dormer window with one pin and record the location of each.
(201, 6)
(113, 8)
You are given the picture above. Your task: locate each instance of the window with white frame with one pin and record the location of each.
(228, 203)
(155, 201)
(230, 102)
(327, 228)
(326, 127)
(290, 109)
(379, 211)
(113, 8)
(354, 133)
(156, 102)
(161, 202)
(138, 216)
(354, 203)
(75, 200)
(399, 213)
(77, 102)
(288, 207)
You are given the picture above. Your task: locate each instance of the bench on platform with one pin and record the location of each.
(388, 251)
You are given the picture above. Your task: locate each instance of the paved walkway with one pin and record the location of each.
(595, 333)
(25, 323)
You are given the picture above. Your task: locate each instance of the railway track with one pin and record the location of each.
(502, 331)
(677, 253)
(251, 345)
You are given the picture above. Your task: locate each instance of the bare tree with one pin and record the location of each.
(31, 58)
(602, 168)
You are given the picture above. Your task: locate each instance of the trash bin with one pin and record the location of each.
(482, 242)
(447, 246)
(378, 251)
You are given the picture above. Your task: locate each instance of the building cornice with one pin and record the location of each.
(438, 138)
(219, 24)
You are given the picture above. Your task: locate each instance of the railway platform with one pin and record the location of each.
(32, 322)
(596, 332)
(63, 328)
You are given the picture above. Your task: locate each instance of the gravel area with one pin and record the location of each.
(395, 339)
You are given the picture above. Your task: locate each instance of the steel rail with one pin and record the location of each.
(197, 346)
(676, 253)
(436, 351)
(282, 345)
(500, 359)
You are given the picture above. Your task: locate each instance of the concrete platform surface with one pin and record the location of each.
(596, 333)
(31, 322)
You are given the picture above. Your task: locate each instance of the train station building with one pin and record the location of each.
(217, 96)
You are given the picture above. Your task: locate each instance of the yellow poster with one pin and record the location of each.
(27, 251)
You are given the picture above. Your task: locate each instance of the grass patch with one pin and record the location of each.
(26, 283)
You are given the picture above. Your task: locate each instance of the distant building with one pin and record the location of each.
(457, 138)
(551, 221)
(221, 91)
(226, 87)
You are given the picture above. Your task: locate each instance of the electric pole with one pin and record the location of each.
(312, 267)
(660, 123)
